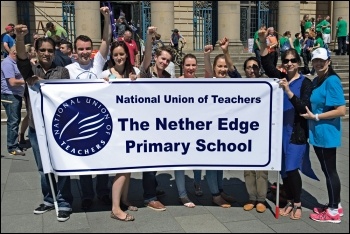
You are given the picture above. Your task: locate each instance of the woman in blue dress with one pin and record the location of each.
(295, 148)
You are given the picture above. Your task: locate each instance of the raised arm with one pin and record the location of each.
(107, 32)
(224, 47)
(21, 31)
(266, 58)
(148, 48)
(207, 64)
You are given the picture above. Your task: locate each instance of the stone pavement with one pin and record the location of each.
(21, 194)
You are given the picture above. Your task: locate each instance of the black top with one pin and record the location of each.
(300, 132)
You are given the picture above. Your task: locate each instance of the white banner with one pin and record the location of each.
(95, 127)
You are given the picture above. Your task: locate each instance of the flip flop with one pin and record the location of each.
(187, 202)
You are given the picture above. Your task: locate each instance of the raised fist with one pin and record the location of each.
(21, 30)
(208, 49)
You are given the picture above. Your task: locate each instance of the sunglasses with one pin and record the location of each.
(293, 60)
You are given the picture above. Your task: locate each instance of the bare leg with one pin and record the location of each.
(117, 190)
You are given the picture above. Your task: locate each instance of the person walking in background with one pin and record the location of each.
(295, 148)
(87, 68)
(175, 38)
(324, 118)
(44, 69)
(342, 31)
(12, 91)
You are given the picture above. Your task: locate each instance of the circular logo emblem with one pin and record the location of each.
(82, 126)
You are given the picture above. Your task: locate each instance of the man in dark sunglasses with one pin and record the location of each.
(44, 69)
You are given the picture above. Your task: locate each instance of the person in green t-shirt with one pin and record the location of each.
(325, 27)
(55, 30)
(319, 43)
(342, 31)
(296, 43)
(307, 25)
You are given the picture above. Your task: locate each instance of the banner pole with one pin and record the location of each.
(278, 196)
(53, 194)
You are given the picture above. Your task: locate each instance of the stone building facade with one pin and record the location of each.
(200, 22)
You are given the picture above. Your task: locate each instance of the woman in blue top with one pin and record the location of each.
(328, 105)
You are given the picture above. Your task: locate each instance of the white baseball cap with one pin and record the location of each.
(320, 53)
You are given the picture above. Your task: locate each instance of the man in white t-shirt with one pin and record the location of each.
(86, 68)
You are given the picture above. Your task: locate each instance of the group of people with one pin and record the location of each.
(310, 109)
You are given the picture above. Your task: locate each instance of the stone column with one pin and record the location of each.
(340, 8)
(8, 13)
(229, 23)
(288, 17)
(88, 21)
(162, 17)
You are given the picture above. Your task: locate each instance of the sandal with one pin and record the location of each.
(285, 211)
(218, 200)
(187, 202)
(126, 219)
(197, 190)
(292, 214)
(129, 207)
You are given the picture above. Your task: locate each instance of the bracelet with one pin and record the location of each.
(316, 117)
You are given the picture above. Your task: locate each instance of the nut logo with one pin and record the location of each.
(82, 126)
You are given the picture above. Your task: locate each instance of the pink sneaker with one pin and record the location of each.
(319, 210)
(325, 217)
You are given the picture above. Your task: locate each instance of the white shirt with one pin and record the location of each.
(89, 71)
(171, 69)
(107, 72)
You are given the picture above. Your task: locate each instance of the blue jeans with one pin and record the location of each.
(87, 189)
(149, 184)
(180, 183)
(215, 181)
(62, 187)
(13, 112)
(197, 176)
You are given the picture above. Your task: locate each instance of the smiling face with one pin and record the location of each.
(290, 63)
(220, 68)
(84, 50)
(190, 67)
(46, 53)
(162, 61)
(320, 65)
(119, 56)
